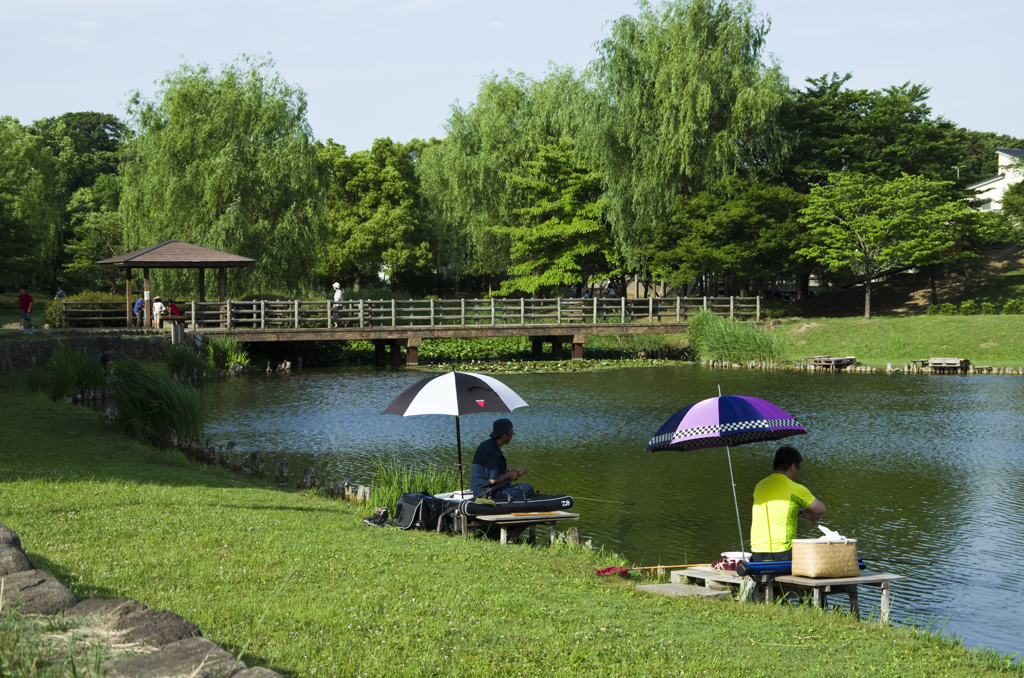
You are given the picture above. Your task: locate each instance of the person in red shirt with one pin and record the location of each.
(25, 306)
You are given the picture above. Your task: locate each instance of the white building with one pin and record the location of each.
(992, 189)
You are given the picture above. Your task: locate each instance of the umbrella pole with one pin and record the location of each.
(458, 443)
(736, 503)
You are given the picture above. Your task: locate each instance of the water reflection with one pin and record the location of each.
(914, 467)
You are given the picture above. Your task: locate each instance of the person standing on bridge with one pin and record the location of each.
(490, 468)
(338, 298)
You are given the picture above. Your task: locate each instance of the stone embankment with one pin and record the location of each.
(139, 641)
(19, 354)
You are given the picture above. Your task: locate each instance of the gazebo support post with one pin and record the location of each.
(148, 315)
(202, 293)
(222, 283)
(128, 296)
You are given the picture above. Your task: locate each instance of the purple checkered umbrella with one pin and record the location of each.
(722, 422)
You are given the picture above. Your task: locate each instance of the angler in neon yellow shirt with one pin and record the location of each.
(778, 501)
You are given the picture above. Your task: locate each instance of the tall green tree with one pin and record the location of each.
(562, 237)
(683, 99)
(742, 230)
(29, 217)
(469, 178)
(868, 224)
(98, 234)
(377, 222)
(227, 160)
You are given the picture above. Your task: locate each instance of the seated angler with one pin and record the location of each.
(490, 468)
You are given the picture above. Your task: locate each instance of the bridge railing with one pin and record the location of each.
(369, 313)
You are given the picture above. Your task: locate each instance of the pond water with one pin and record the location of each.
(914, 467)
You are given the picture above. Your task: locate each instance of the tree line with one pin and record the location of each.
(681, 154)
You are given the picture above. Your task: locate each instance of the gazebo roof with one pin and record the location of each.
(176, 254)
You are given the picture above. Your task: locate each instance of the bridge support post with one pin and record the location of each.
(556, 348)
(412, 351)
(577, 346)
(396, 352)
(538, 348)
(378, 352)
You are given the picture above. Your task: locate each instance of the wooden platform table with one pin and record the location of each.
(513, 520)
(821, 588)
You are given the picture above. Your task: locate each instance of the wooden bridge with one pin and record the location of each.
(405, 323)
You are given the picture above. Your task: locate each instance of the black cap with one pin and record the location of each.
(501, 427)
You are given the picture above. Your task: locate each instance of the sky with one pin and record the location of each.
(375, 68)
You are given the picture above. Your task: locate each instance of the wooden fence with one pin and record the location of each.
(368, 313)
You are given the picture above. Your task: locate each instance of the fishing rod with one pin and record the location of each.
(605, 501)
(621, 571)
(577, 445)
(897, 562)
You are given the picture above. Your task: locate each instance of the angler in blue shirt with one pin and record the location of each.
(490, 468)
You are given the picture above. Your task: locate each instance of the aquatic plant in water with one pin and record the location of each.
(187, 364)
(226, 353)
(69, 372)
(716, 338)
(154, 408)
(395, 478)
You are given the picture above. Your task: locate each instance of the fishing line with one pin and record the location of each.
(577, 445)
(605, 501)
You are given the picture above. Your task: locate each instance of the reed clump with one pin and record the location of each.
(70, 373)
(157, 409)
(226, 354)
(187, 365)
(714, 338)
(395, 478)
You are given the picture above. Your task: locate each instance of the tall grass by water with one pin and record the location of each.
(70, 372)
(156, 409)
(395, 478)
(187, 364)
(225, 353)
(723, 339)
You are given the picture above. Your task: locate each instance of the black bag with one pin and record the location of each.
(420, 511)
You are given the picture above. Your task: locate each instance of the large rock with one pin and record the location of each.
(193, 657)
(36, 592)
(155, 628)
(101, 607)
(12, 560)
(9, 537)
(257, 672)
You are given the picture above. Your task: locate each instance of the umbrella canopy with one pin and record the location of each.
(724, 421)
(455, 393)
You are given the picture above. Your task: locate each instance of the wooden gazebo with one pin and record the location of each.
(174, 254)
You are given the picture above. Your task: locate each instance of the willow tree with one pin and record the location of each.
(685, 99)
(470, 179)
(227, 160)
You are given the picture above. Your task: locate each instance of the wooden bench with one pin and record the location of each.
(513, 520)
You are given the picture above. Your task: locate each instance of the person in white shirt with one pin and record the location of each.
(337, 299)
(158, 308)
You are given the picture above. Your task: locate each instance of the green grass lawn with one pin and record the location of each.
(996, 340)
(301, 585)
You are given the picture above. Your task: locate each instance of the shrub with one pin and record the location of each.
(934, 309)
(1013, 307)
(187, 364)
(716, 338)
(117, 319)
(987, 308)
(968, 307)
(155, 409)
(70, 372)
(947, 309)
(226, 353)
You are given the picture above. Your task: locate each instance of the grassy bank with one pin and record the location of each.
(301, 585)
(995, 340)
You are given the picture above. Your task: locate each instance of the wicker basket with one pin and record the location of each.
(821, 560)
